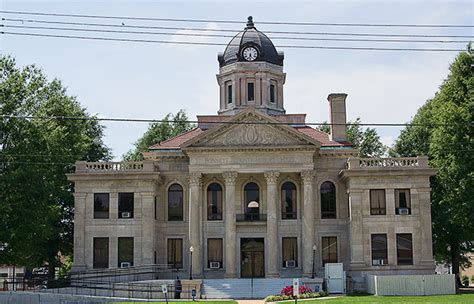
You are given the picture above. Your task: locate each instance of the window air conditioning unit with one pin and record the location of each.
(215, 265)
(126, 214)
(403, 211)
(125, 264)
(290, 264)
(378, 262)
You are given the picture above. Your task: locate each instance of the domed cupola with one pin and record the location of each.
(250, 45)
(251, 74)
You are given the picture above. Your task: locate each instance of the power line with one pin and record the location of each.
(238, 22)
(227, 36)
(141, 120)
(225, 44)
(35, 163)
(73, 164)
(233, 31)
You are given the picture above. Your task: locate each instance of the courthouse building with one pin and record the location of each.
(256, 192)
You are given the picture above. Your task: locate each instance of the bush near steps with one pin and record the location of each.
(287, 294)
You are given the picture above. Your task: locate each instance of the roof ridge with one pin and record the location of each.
(171, 138)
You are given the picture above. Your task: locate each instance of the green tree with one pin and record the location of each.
(446, 136)
(36, 200)
(367, 141)
(172, 125)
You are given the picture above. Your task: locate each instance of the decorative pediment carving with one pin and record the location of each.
(252, 129)
(252, 135)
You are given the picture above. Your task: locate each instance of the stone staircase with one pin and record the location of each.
(243, 288)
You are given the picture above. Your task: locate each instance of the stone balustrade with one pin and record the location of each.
(115, 167)
(388, 162)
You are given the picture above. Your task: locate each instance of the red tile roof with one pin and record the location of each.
(322, 137)
(176, 142)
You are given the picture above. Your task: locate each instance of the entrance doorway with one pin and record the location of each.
(335, 277)
(252, 253)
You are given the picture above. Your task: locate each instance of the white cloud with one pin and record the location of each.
(196, 37)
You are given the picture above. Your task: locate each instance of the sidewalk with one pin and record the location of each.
(250, 301)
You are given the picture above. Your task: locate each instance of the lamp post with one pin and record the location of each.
(191, 249)
(314, 260)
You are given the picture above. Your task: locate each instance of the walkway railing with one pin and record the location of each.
(389, 162)
(115, 167)
(251, 217)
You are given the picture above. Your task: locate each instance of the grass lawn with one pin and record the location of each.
(459, 298)
(184, 302)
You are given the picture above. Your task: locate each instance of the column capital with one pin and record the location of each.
(147, 193)
(230, 177)
(271, 176)
(354, 191)
(194, 178)
(307, 176)
(80, 195)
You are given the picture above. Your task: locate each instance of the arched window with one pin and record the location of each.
(214, 202)
(288, 201)
(175, 203)
(252, 201)
(328, 200)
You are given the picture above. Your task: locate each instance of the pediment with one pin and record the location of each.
(252, 129)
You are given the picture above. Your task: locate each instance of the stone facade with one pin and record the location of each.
(308, 190)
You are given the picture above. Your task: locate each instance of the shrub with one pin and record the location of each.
(288, 290)
(306, 295)
(465, 280)
(472, 279)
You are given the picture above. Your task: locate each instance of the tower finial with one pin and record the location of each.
(250, 22)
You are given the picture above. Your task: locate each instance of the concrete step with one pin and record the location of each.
(243, 288)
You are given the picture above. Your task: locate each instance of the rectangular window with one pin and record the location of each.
(379, 249)
(404, 249)
(175, 253)
(229, 94)
(377, 202)
(290, 251)
(272, 93)
(214, 253)
(125, 205)
(125, 251)
(101, 205)
(329, 249)
(250, 91)
(100, 250)
(402, 201)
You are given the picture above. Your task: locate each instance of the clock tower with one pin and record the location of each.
(251, 74)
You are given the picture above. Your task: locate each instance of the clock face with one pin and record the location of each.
(250, 53)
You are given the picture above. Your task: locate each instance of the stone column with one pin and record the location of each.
(79, 228)
(243, 89)
(271, 243)
(223, 95)
(194, 222)
(265, 90)
(148, 227)
(356, 233)
(258, 89)
(308, 221)
(229, 221)
(425, 227)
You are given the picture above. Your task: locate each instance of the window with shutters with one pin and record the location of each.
(329, 249)
(290, 250)
(377, 202)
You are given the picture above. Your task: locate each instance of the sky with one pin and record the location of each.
(147, 80)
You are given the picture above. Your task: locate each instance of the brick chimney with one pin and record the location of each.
(337, 108)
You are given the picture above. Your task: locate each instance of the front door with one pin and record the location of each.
(252, 255)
